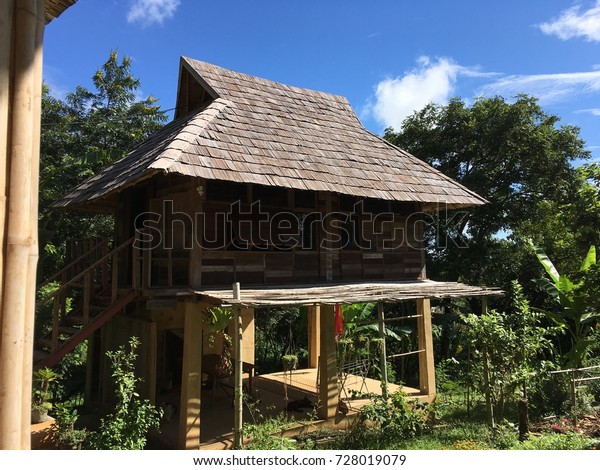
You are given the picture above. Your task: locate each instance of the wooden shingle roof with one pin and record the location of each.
(263, 132)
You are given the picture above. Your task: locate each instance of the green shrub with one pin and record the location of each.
(267, 435)
(126, 428)
(555, 441)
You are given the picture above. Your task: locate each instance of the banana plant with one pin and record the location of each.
(575, 315)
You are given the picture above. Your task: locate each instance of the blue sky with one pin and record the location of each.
(388, 57)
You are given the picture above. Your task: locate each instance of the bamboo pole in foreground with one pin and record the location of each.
(21, 223)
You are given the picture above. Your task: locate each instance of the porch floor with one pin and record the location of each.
(269, 392)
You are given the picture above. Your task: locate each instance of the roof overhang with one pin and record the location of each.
(344, 293)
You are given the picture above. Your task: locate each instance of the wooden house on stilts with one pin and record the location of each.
(257, 194)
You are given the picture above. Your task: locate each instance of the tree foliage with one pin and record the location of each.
(81, 134)
(514, 155)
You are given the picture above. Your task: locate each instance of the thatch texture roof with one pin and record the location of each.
(263, 132)
(346, 293)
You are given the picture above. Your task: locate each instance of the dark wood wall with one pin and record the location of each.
(214, 233)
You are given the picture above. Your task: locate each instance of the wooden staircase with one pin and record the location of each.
(84, 296)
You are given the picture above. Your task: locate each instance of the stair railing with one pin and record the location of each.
(108, 265)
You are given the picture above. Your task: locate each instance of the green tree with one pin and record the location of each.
(81, 134)
(516, 156)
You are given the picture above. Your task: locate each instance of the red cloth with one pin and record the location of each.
(339, 321)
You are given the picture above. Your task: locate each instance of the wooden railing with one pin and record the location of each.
(80, 262)
(100, 278)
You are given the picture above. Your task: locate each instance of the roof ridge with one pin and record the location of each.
(265, 81)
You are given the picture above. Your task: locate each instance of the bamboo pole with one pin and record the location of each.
(6, 33)
(21, 224)
(34, 254)
(238, 419)
(382, 358)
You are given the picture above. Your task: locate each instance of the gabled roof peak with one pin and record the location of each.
(236, 127)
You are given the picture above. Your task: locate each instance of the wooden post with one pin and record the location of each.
(488, 394)
(486, 376)
(574, 397)
(55, 322)
(383, 358)
(20, 158)
(248, 330)
(425, 340)
(191, 378)
(87, 296)
(238, 421)
(328, 383)
(89, 372)
(314, 336)
(197, 203)
(115, 278)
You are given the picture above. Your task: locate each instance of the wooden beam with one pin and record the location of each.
(191, 378)
(425, 340)
(314, 335)
(328, 383)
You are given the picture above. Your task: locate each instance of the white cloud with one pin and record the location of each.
(147, 12)
(548, 88)
(430, 82)
(593, 111)
(574, 22)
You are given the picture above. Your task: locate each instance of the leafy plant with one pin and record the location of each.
(41, 396)
(394, 418)
(510, 348)
(267, 435)
(126, 428)
(67, 437)
(575, 314)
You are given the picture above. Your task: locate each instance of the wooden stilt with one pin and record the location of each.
(191, 378)
(314, 334)
(328, 383)
(425, 339)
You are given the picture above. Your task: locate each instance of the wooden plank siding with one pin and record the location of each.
(261, 236)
